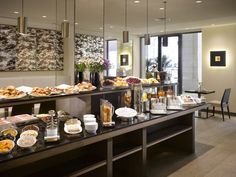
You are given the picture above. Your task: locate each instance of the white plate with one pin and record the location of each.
(175, 108)
(74, 132)
(155, 111)
(25, 89)
(26, 141)
(63, 86)
(126, 112)
(13, 98)
(39, 95)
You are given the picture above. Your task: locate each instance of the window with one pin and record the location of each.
(112, 56)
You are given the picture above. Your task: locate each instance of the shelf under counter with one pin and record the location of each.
(165, 134)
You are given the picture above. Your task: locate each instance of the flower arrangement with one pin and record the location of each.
(93, 65)
(81, 65)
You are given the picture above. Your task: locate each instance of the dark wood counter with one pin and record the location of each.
(109, 144)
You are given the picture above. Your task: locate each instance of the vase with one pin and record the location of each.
(80, 77)
(95, 79)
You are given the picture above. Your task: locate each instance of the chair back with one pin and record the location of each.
(225, 98)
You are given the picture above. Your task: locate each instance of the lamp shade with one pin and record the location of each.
(147, 39)
(65, 29)
(22, 25)
(165, 41)
(125, 36)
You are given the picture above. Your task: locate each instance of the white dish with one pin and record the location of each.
(74, 131)
(126, 112)
(72, 122)
(89, 119)
(32, 133)
(155, 111)
(25, 89)
(26, 141)
(175, 108)
(91, 127)
(88, 116)
(63, 86)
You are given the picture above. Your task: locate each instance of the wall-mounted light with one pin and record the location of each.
(218, 58)
(22, 21)
(65, 26)
(147, 40)
(126, 32)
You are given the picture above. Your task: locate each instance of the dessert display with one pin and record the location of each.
(71, 90)
(149, 81)
(72, 126)
(85, 87)
(40, 92)
(11, 92)
(120, 82)
(133, 80)
(6, 146)
(54, 90)
(107, 83)
(186, 100)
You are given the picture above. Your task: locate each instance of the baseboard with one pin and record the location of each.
(219, 112)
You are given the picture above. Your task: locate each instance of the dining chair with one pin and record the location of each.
(223, 103)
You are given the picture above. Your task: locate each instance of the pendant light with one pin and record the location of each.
(126, 32)
(65, 24)
(147, 36)
(22, 21)
(165, 37)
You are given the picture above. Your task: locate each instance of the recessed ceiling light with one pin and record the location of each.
(136, 2)
(157, 19)
(16, 12)
(161, 31)
(44, 16)
(111, 26)
(187, 28)
(162, 8)
(76, 23)
(198, 1)
(101, 28)
(213, 24)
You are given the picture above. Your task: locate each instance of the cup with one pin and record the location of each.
(89, 119)
(91, 127)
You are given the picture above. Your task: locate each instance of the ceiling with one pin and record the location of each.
(182, 15)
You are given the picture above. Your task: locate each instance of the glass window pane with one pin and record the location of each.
(112, 56)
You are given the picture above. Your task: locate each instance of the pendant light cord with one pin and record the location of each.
(126, 15)
(103, 28)
(22, 8)
(147, 16)
(164, 17)
(66, 10)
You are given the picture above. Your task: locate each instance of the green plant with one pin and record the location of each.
(165, 62)
(80, 66)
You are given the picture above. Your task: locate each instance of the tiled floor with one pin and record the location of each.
(218, 161)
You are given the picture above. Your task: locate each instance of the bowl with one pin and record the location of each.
(6, 146)
(13, 132)
(32, 133)
(26, 141)
(91, 127)
(89, 119)
(31, 127)
(89, 116)
(72, 122)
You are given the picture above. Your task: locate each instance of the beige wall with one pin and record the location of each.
(219, 78)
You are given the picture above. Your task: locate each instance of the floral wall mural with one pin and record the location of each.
(39, 50)
(88, 46)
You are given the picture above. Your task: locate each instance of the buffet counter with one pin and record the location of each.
(79, 154)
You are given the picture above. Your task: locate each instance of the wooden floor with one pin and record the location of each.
(220, 159)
